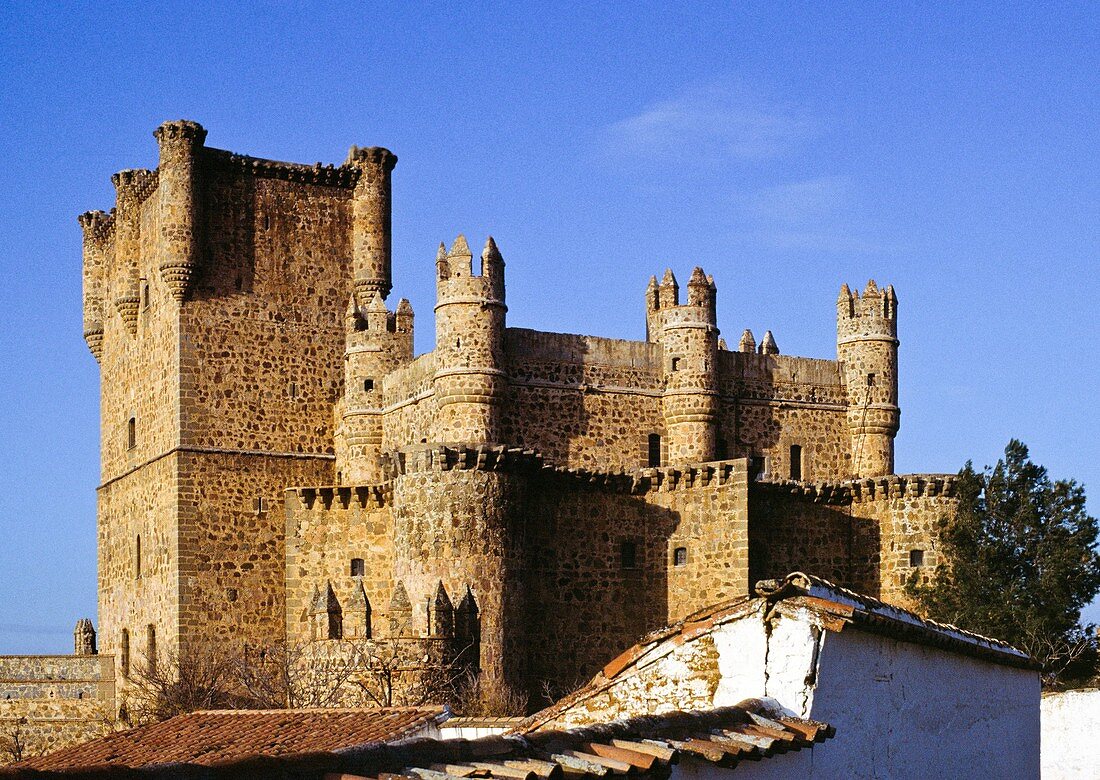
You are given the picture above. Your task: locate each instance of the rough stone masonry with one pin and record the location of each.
(278, 463)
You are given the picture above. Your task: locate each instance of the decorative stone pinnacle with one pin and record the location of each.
(460, 248)
(698, 278)
(669, 278)
(490, 252)
(748, 342)
(768, 345)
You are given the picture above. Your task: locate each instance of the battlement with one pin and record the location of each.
(97, 225)
(874, 313)
(222, 161)
(456, 277)
(865, 490)
(372, 156)
(663, 307)
(135, 184)
(180, 130)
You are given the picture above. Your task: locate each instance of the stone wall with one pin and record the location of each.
(870, 535)
(48, 702)
(553, 558)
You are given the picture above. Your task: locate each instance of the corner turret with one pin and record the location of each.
(469, 320)
(179, 147)
(132, 186)
(867, 346)
(371, 221)
(96, 225)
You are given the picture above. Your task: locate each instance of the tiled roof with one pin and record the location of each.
(218, 736)
(876, 616)
(839, 606)
(753, 730)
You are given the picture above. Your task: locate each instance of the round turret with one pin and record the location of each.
(867, 346)
(689, 336)
(469, 352)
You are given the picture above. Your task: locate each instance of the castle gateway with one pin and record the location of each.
(277, 463)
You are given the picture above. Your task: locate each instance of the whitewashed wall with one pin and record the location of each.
(1071, 735)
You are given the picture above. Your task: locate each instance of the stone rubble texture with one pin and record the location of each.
(265, 422)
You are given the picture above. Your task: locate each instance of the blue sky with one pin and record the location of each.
(786, 148)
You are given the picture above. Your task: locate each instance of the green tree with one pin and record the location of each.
(1018, 561)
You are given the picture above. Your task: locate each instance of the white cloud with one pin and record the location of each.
(711, 125)
(801, 202)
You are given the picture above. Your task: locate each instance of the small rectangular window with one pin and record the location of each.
(757, 467)
(292, 391)
(654, 450)
(870, 380)
(676, 364)
(258, 505)
(368, 385)
(628, 555)
(721, 450)
(124, 653)
(131, 433)
(796, 462)
(916, 558)
(144, 294)
(151, 648)
(358, 568)
(680, 556)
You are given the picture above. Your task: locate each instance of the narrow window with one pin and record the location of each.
(239, 283)
(358, 569)
(676, 364)
(293, 390)
(131, 433)
(796, 462)
(151, 648)
(628, 555)
(124, 653)
(680, 556)
(258, 505)
(267, 222)
(654, 450)
(137, 557)
(721, 450)
(757, 467)
(144, 294)
(916, 558)
(870, 380)
(368, 384)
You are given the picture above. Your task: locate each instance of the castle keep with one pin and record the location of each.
(277, 462)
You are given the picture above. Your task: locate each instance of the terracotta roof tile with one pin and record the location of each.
(214, 737)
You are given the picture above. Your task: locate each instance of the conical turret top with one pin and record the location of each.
(748, 342)
(768, 345)
(460, 248)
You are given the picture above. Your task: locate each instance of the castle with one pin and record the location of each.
(277, 462)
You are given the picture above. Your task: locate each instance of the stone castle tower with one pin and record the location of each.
(278, 463)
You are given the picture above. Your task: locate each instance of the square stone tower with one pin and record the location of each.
(214, 296)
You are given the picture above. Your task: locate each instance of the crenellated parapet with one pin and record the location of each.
(867, 346)
(865, 490)
(224, 162)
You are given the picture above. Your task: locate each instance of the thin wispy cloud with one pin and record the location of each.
(801, 202)
(709, 125)
(817, 214)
